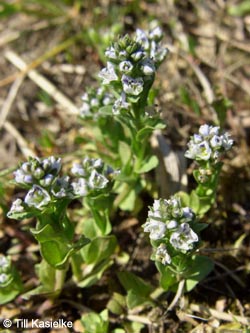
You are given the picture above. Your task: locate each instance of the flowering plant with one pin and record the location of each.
(122, 117)
(10, 282)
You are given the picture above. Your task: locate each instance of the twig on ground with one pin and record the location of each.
(178, 295)
(9, 100)
(219, 315)
(43, 83)
(27, 152)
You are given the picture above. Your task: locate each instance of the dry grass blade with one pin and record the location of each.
(219, 315)
(9, 100)
(43, 83)
(27, 152)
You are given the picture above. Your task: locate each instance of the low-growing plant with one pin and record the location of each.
(122, 117)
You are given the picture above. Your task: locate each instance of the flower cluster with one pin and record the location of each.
(93, 101)
(91, 176)
(131, 66)
(208, 144)
(151, 42)
(47, 187)
(5, 274)
(168, 225)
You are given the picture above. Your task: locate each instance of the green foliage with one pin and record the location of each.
(241, 9)
(95, 323)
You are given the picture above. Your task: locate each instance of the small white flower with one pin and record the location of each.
(157, 52)
(62, 188)
(85, 110)
(97, 163)
(214, 130)
(52, 164)
(16, 207)
(79, 187)
(37, 197)
(204, 151)
(200, 151)
(4, 262)
(22, 178)
(3, 278)
(47, 180)
(138, 55)
(120, 104)
(188, 214)
(132, 86)
(148, 67)
(142, 38)
(126, 66)
(97, 180)
(156, 33)
(156, 229)
(183, 238)
(108, 74)
(204, 130)
(77, 170)
(162, 255)
(94, 102)
(226, 141)
(172, 224)
(197, 138)
(110, 53)
(216, 141)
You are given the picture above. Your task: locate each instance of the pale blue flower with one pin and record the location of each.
(80, 187)
(188, 214)
(16, 207)
(126, 66)
(4, 262)
(132, 86)
(148, 67)
(156, 33)
(97, 180)
(78, 170)
(162, 255)
(110, 53)
(37, 197)
(3, 278)
(226, 141)
(216, 141)
(183, 238)
(120, 104)
(108, 74)
(22, 178)
(156, 229)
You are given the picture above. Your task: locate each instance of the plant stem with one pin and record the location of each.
(60, 275)
(177, 295)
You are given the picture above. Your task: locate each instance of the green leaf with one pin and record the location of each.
(99, 249)
(194, 202)
(117, 304)
(124, 152)
(167, 277)
(134, 300)
(95, 273)
(148, 164)
(95, 323)
(200, 267)
(90, 229)
(185, 198)
(7, 9)
(106, 110)
(241, 9)
(131, 282)
(19, 215)
(55, 253)
(128, 203)
(144, 133)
